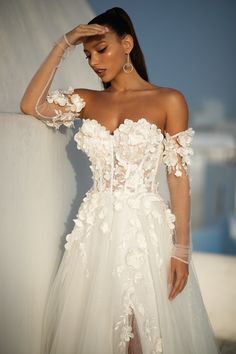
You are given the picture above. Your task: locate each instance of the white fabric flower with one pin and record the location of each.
(185, 137)
(104, 227)
(170, 218)
(78, 103)
(82, 252)
(134, 258)
(178, 145)
(73, 104)
(126, 333)
(137, 277)
(129, 160)
(69, 91)
(118, 205)
(158, 346)
(69, 242)
(120, 269)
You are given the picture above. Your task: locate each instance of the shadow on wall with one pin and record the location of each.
(41, 191)
(29, 30)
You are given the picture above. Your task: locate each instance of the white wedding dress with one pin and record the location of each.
(111, 286)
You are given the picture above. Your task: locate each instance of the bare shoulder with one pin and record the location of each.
(171, 96)
(86, 94)
(176, 109)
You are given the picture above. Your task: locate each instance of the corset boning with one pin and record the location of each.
(126, 162)
(125, 176)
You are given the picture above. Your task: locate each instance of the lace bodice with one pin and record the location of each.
(129, 159)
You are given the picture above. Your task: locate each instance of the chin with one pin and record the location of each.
(108, 79)
(105, 80)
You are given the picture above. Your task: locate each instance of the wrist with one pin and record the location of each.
(67, 41)
(182, 252)
(181, 260)
(62, 48)
(61, 43)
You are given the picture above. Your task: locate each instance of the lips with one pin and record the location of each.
(100, 72)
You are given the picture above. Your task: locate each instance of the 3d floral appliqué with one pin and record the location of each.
(177, 147)
(73, 104)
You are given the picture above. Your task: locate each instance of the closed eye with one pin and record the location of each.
(99, 51)
(102, 50)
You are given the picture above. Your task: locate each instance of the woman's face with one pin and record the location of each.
(105, 54)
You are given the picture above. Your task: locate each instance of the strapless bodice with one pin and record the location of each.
(129, 158)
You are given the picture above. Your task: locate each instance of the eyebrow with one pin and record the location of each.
(102, 40)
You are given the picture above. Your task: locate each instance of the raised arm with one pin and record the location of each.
(177, 157)
(57, 107)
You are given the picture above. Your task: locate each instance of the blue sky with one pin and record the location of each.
(189, 45)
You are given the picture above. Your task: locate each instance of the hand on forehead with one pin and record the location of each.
(97, 37)
(91, 41)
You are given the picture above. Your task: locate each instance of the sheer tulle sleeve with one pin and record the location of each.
(66, 106)
(177, 158)
(178, 151)
(58, 107)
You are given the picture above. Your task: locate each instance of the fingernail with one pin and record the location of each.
(107, 29)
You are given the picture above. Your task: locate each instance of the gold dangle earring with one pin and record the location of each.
(128, 67)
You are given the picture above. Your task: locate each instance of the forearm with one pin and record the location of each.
(180, 200)
(60, 107)
(37, 90)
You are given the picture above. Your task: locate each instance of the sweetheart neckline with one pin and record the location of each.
(112, 134)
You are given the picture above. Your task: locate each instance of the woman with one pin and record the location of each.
(126, 283)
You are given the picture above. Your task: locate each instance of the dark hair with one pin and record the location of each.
(117, 19)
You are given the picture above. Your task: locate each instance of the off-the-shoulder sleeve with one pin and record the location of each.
(177, 155)
(178, 151)
(61, 108)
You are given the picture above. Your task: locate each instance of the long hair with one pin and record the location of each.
(117, 19)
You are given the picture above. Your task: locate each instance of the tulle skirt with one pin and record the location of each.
(111, 286)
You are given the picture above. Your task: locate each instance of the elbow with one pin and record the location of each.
(22, 108)
(25, 108)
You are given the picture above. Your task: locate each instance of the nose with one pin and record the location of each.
(94, 60)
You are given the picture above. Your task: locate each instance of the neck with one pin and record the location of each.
(125, 82)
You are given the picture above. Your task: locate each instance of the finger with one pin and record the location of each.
(170, 278)
(184, 284)
(179, 287)
(173, 282)
(91, 31)
(94, 27)
(101, 27)
(175, 289)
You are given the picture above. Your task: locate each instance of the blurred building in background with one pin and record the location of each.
(213, 173)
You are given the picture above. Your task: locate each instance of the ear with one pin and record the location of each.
(128, 43)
